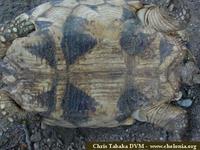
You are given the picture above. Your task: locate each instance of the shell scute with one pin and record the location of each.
(76, 41)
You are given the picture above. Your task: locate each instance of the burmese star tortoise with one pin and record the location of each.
(98, 63)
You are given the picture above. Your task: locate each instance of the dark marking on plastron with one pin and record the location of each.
(132, 41)
(77, 105)
(130, 101)
(128, 14)
(75, 40)
(44, 49)
(165, 49)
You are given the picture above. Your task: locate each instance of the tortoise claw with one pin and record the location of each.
(19, 27)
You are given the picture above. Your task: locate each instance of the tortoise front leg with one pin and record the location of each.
(169, 16)
(21, 26)
(164, 115)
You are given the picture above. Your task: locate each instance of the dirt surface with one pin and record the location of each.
(34, 135)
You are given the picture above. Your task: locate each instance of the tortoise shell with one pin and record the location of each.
(91, 64)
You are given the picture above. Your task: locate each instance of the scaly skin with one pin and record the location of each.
(19, 27)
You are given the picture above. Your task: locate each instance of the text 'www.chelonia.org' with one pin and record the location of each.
(142, 145)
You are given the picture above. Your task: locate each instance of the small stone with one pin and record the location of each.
(48, 140)
(185, 103)
(36, 137)
(171, 7)
(9, 31)
(14, 30)
(36, 146)
(4, 113)
(178, 95)
(2, 106)
(2, 38)
(2, 28)
(182, 17)
(162, 139)
(10, 119)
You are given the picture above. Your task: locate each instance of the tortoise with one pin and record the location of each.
(102, 63)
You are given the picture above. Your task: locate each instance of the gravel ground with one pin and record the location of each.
(34, 135)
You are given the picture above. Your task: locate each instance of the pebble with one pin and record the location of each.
(36, 146)
(4, 113)
(2, 106)
(10, 119)
(185, 103)
(9, 31)
(162, 139)
(2, 38)
(14, 29)
(43, 126)
(178, 96)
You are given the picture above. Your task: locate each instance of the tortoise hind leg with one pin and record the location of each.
(164, 115)
(21, 26)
